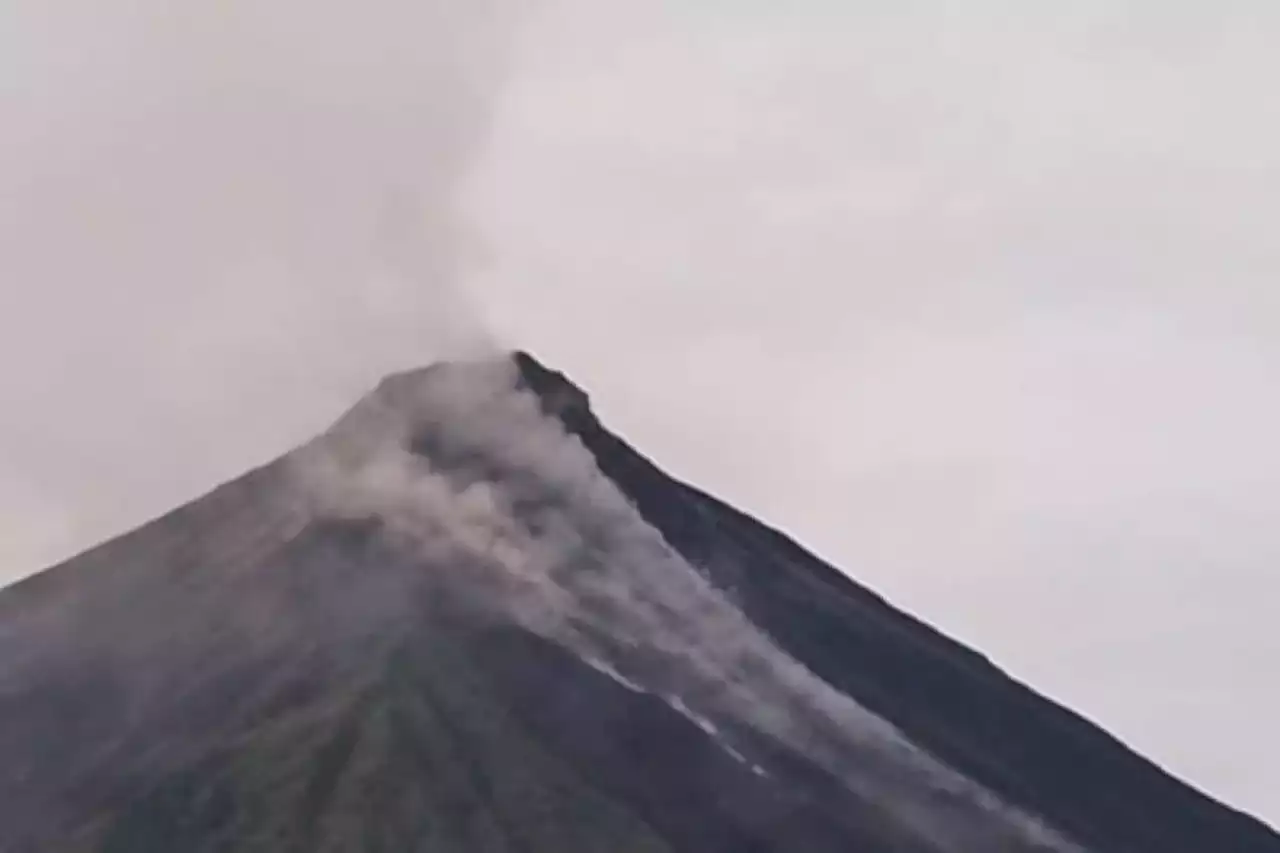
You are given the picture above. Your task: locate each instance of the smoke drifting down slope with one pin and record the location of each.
(563, 548)
(468, 618)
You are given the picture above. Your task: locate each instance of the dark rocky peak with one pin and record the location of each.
(559, 396)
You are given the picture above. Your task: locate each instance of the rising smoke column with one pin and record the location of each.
(218, 223)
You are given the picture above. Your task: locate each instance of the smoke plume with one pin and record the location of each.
(236, 215)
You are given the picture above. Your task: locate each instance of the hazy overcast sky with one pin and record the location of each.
(979, 300)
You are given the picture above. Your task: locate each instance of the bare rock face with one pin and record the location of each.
(469, 618)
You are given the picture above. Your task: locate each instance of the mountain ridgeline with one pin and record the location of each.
(469, 619)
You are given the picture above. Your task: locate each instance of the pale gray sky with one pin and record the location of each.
(979, 304)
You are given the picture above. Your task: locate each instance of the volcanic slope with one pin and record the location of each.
(470, 618)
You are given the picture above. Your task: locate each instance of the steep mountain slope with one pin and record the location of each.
(469, 618)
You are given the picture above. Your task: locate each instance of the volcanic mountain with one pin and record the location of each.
(469, 619)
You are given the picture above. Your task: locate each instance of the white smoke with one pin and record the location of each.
(462, 466)
(219, 222)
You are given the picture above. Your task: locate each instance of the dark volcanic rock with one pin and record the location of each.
(265, 671)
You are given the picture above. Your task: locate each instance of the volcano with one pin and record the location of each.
(469, 619)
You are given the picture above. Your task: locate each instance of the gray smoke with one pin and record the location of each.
(464, 467)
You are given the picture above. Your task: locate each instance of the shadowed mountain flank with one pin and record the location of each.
(470, 618)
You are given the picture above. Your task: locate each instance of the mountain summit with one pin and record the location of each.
(468, 618)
